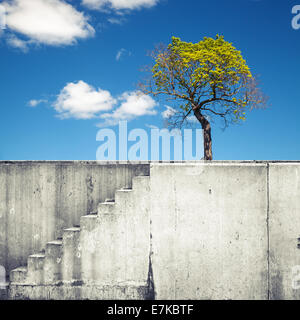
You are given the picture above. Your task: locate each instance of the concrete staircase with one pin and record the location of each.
(106, 257)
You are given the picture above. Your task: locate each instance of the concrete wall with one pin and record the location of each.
(106, 258)
(284, 231)
(209, 231)
(226, 230)
(115, 247)
(39, 199)
(220, 230)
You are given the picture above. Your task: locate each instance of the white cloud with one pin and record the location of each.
(169, 112)
(82, 101)
(121, 53)
(51, 22)
(15, 42)
(34, 103)
(119, 4)
(134, 104)
(2, 17)
(116, 20)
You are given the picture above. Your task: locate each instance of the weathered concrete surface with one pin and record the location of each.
(209, 231)
(115, 246)
(74, 291)
(207, 228)
(106, 257)
(284, 182)
(3, 293)
(40, 198)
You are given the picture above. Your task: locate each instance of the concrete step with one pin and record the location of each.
(122, 196)
(88, 222)
(53, 262)
(100, 255)
(72, 230)
(18, 275)
(140, 183)
(106, 207)
(71, 254)
(35, 269)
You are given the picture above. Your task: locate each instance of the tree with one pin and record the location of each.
(207, 79)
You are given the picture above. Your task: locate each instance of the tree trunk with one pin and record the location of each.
(206, 134)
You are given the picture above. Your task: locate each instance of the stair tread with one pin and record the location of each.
(109, 201)
(74, 229)
(23, 269)
(37, 255)
(54, 242)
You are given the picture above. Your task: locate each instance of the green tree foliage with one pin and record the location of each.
(206, 79)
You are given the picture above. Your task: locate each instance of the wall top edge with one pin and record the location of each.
(93, 162)
(71, 162)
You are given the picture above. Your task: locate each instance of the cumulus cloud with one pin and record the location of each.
(34, 103)
(57, 22)
(15, 42)
(82, 101)
(2, 17)
(79, 100)
(119, 4)
(51, 22)
(133, 104)
(168, 113)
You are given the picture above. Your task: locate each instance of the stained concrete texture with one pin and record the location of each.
(209, 231)
(115, 248)
(78, 292)
(217, 230)
(38, 199)
(107, 257)
(284, 199)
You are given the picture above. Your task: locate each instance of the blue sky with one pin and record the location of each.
(69, 66)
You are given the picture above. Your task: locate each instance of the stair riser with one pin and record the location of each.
(88, 223)
(94, 244)
(71, 256)
(53, 264)
(106, 208)
(140, 184)
(18, 276)
(35, 273)
(123, 199)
